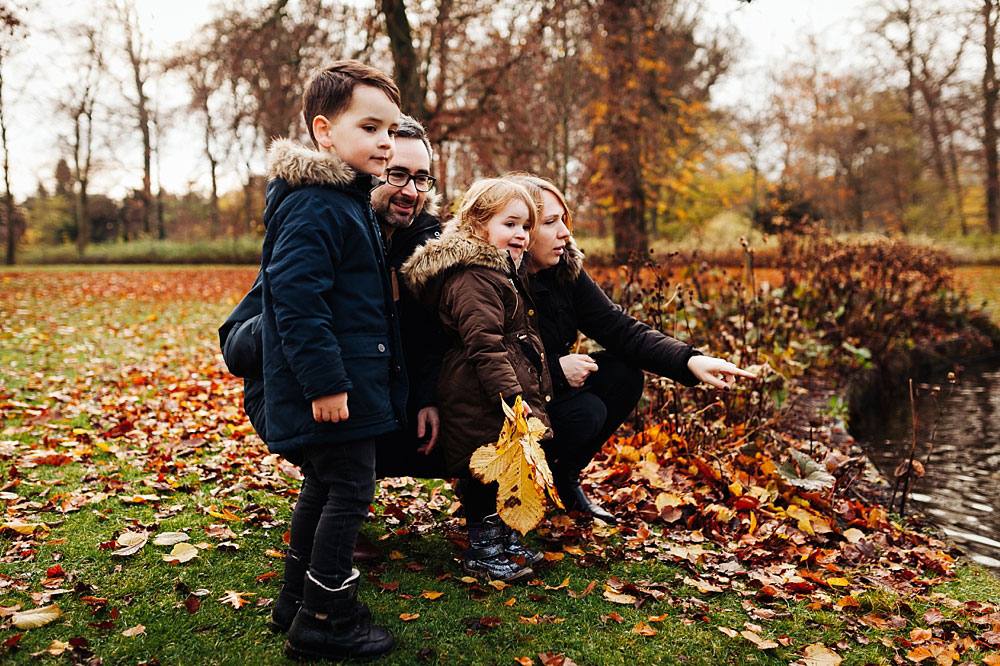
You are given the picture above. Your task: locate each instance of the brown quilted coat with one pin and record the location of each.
(496, 349)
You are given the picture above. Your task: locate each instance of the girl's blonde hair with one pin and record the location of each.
(535, 186)
(487, 197)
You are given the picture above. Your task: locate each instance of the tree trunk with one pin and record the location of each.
(624, 169)
(990, 121)
(133, 48)
(404, 58)
(8, 199)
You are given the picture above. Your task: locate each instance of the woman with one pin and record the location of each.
(593, 394)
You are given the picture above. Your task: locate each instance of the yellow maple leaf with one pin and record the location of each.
(517, 463)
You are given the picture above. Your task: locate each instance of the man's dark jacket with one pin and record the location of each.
(328, 322)
(569, 301)
(422, 337)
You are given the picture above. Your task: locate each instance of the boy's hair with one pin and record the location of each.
(535, 186)
(329, 89)
(410, 128)
(487, 197)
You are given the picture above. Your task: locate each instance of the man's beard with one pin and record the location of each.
(394, 220)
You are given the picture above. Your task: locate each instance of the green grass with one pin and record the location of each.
(240, 250)
(147, 591)
(81, 339)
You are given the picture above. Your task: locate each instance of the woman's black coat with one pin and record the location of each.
(568, 300)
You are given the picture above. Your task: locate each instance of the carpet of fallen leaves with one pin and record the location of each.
(116, 376)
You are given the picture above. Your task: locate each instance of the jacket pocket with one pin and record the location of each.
(367, 360)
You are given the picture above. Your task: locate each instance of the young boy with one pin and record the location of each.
(333, 377)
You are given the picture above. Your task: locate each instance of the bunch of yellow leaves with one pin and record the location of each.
(517, 462)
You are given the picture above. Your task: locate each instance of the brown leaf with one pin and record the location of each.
(180, 553)
(933, 616)
(643, 629)
(759, 642)
(130, 543)
(236, 599)
(137, 630)
(818, 654)
(429, 594)
(587, 590)
(618, 598)
(36, 617)
(408, 617)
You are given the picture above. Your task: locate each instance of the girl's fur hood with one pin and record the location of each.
(455, 249)
(300, 165)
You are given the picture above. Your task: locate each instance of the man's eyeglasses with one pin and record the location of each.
(400, 177)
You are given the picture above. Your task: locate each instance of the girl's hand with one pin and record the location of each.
(331, 408)
(710, 370)
(577, 367)
(428, 424)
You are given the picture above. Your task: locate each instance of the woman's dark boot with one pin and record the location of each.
(290, 598)
(332, 625)
(514, 548)
(487, 558)
(574, 499)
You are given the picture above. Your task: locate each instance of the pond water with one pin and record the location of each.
(961, 490)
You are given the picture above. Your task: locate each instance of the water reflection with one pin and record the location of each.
(961, 491)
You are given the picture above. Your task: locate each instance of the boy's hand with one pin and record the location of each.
(331, 408)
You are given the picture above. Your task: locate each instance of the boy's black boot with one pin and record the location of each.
(574, 499)
(514, 548)
(332, 625)
(487, 558)
(290, 598)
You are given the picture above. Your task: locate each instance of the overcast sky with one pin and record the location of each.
(772, 31)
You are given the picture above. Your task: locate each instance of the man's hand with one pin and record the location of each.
(710, 370)
(331, 408)
(428, 424)
(577, 367)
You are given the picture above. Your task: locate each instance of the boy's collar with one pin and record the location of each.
(300, 165)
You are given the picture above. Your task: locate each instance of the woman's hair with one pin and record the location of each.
(535, 186)
(487, 197)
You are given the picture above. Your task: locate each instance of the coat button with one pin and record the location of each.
(381, 347)
(548, 398)
(531, 313)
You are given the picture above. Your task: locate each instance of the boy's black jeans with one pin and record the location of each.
(338, 488)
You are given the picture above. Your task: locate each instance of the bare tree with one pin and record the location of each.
(80, 104)
(991, 91)
(930, 42)
(202, 74)
(136, 49)
(11, 28)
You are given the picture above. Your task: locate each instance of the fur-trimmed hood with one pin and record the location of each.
(300, 165)
(570, 264)
(432, 203)
(454, 250)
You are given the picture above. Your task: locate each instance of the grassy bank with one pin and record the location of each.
(117, 417)
(239, 250)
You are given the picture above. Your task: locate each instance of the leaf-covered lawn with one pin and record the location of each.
(139, 503)
(983, 284)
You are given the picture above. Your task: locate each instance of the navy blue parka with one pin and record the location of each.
(328, 324)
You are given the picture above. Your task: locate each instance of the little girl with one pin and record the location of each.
(472, 276)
